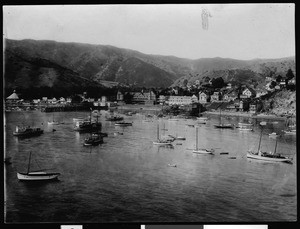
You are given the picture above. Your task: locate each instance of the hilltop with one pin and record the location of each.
(36, 64)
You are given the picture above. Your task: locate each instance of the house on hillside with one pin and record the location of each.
(120, 96)
(216, 97)
(248, 92)
(203, 97)
(230, 96)
(194, 99)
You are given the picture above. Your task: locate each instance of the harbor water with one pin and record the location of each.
(127, 178)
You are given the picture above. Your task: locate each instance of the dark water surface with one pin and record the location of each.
(127, 179)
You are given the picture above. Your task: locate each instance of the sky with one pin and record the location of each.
(239, 31)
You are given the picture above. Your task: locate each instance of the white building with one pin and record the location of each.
(203, 97)
(180, 100)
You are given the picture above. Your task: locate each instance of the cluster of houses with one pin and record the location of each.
(241, 99)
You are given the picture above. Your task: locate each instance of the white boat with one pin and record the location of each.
(53, 122)
(201, 151)
(245, 128)
(78, 119)
(271, 157)
(268, 157)
(202, 120)
(177, 137)
(290, 132)
(273, 135)
(172, 165)
(37, 175)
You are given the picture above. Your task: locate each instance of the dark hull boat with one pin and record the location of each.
(27, 131)
(93, 140)
(114, 118)
(87, 126)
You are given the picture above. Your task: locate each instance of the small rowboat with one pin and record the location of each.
(123, 124)
(203, 151)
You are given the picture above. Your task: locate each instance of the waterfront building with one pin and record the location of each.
(203, 97)
(144, 97)
(180, 100)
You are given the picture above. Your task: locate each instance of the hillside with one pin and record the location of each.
(31, 63)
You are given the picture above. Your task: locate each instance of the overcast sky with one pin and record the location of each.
(240, 31)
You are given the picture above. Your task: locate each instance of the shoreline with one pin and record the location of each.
(246, 115)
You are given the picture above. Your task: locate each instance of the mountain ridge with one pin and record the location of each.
(105, 62)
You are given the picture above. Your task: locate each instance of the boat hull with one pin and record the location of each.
(162, 143)
(270, 159)
(202, 151)
(224, 126)
(123, 124)
(28, 134)
(37, 176)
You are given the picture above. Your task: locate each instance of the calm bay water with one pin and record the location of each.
(127, 179)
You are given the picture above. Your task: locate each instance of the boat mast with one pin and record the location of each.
(260, 139)
(196, 138)
(157, 131)
(275, 147)
(29, 163)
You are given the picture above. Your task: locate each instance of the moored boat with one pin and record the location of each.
(224, 126)
(201, 151)
(36, 175)
(114, 118)
(202, 120)
(93, 140)
(268, 157)
(27, 131)
(271, 157)
(123, 124)
(161, 141)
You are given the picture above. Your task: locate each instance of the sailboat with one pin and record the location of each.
(201, 120)
(271, 157)
(222, 125)
(53, 122)
(201, 151)
(160, 141)
(37, 175)
(290, 127)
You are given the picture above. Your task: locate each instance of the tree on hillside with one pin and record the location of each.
(218, 82)
(184, 83)
(278, 78)
(289, 74)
